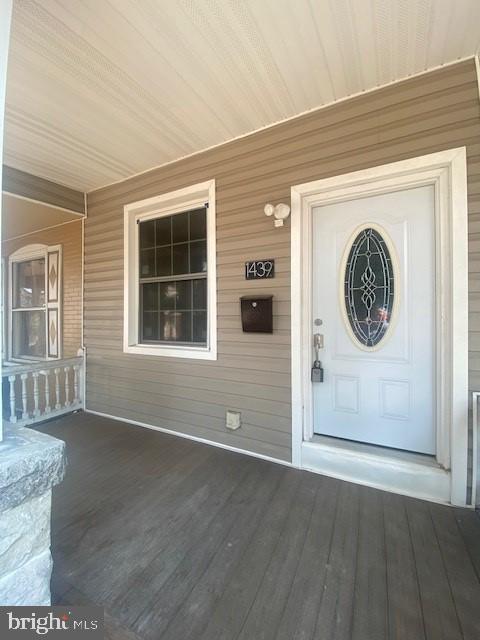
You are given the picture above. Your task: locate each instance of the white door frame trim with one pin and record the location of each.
(446, 171)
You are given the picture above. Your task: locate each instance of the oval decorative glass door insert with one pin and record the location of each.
(369, 287)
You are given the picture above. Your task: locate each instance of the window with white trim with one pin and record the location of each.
(34, 303)
(170, 281)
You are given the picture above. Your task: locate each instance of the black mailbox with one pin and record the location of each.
(257, 316)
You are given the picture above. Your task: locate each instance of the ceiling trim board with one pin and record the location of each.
(49, 204)
(21, 183)
(30, 233)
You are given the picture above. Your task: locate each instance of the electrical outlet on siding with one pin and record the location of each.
(233, 420)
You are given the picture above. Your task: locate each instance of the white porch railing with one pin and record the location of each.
(38, 391)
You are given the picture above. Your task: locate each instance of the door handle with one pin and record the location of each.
(317, 369)
(318, 343)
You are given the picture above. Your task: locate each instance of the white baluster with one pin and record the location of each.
(76, 386)
(24, 377)
(47, 391)
(13, 411)
(36, 407)
(57, 389)
(67, 387)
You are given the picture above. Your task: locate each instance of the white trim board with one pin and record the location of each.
(171, 432)
(477, 69)
(5, 25)
(446, 171)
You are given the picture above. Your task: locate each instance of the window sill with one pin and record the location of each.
(201, 353)
(24, 360)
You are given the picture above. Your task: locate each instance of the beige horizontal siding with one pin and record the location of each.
(252, 374)
(70, 237)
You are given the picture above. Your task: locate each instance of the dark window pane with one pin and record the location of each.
(164, 261)
(175, 326)
(361, 264)
(147, 234)
(168, 294)
(163, 231)
(180, 227)
(180, 259)
(167, 326)
(30, 283)
(198, 257)
(147, 263)
(183, 326)
(200, 293)
(29, 334)
(199, 326)
(150, 325)
(198, 224)
(150, 296)
(184, 294)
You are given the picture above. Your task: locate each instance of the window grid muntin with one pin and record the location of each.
(163, 245)
(20, 313)
(174, 278)
(165, 312)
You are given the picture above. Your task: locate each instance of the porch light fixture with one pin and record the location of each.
(280, 211)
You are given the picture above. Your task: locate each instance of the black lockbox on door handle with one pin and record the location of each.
(257, 314)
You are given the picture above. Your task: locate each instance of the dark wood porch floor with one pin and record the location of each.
(182, 541)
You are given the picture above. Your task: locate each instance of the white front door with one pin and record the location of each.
(374, 304)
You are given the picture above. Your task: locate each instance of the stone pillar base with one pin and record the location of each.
(30, 464)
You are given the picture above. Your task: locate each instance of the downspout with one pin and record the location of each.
(84, 350)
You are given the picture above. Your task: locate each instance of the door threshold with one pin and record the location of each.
(403, 472)
(378, 450)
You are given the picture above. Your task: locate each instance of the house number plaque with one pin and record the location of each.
(259, 269)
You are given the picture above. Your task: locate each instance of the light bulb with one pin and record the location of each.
(282, 211)
(269, 209)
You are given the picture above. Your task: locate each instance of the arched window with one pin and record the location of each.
(35, 303)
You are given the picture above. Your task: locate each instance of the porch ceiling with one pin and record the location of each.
(98, 91)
